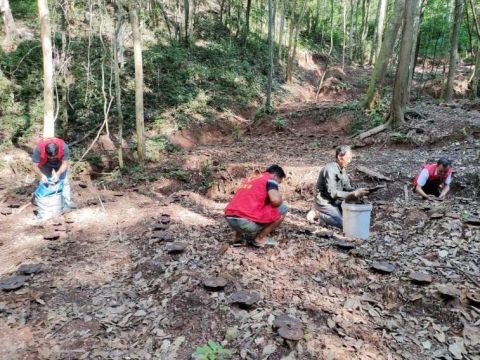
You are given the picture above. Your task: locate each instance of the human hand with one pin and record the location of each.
(43, 179)
(361, 192)
(431, 197)
(54, 177)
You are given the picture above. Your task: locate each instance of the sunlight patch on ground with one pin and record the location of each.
(23, 247)
(189, 217)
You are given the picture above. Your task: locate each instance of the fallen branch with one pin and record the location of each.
(373, 173)
(374, 131)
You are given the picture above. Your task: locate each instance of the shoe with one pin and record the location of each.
(311, 215)
(269, 243)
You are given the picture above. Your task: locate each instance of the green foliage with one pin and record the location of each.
(157, 145)
(314, 145)
(24, 8)
(280, 123)
(206, 175)
(178, 174)
(212, 351)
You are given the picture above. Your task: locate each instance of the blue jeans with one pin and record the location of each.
(330, 214)
(246, 226)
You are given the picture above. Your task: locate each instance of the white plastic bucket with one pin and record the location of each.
(356, 220)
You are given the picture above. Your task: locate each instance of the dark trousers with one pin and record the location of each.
(330, 214)
(432, 187)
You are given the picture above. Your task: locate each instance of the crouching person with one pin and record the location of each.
(433, 181)
(333, 186)
(257, 207)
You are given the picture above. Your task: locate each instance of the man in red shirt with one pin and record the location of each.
(257, 208)
(433, 181)
(50, 162)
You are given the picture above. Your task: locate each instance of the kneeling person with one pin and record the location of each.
(333, 186)
(433, 181)
(257, 207)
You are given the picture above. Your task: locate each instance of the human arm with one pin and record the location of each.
(64, 166)
(36, 168)
(274, 195)
(421, 181)
(446, 188)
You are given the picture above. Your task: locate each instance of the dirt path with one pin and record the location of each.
(110, 290)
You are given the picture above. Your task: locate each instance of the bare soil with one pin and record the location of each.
(111, 290)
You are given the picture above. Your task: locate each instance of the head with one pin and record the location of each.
(277, 172)
(443, 164)
(51, 150)
(343, 155)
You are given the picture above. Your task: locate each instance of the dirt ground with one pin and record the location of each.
(110, 289)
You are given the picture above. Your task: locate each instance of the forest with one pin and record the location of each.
(165, 106)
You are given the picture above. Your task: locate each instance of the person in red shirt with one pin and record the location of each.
(257, 207)
(433, 181)
(50, 162)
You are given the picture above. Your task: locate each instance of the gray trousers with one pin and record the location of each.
(330, 214)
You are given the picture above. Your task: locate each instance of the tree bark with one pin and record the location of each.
(476, 73)
(11, 32)
(384, 55)
(457, 22)
(288, 75)
(139, 111)
(45, 35)
(280, 32)
(417, 18)
(116, 72)
(246, 29)
(268, 102)
(400, 90)
(379, 27)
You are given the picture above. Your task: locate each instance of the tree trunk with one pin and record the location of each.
(469, 31)
(379, 27)
(344, 31)
(384, 55)
(268, 102)
(49, 106)
(400, 90)
(64, 21)
(116, 72)
(350, 35)
(476, 73)
(457, 22)
(280, 32)
(246, 29)
(331, 26)
(295, 41)
(11, 32)
(417, 18)
(288, 75)
(186, 10)
(137, 48)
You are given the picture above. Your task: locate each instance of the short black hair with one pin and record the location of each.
(51, 149)
(276, 170)
(342, 150)
(444, 162)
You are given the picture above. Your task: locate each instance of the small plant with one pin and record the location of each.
(237, 132)
(206, 175)
(314, 145)
(212, 351)
(280, 123)
(178, 174)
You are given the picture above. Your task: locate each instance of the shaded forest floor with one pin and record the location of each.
(109, 288)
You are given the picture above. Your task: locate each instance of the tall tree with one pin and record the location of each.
(457, 22)
(45, 35)
(8, 22)
(139, 111)
(400, 93)
(476, 73)
(116, 71)
(271, 24)
(384, 55)
(379, 26)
